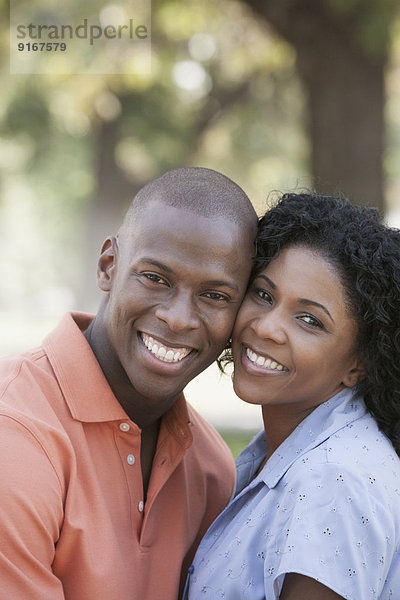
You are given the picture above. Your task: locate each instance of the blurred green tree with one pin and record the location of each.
(224, 92)
(93, 141)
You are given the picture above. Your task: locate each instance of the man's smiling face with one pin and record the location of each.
(175, 283)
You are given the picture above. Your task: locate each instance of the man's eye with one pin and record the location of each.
(154, 278)
(216, 296)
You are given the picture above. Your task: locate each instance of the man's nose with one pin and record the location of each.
(179, 312)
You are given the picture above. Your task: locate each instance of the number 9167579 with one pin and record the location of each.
(42, 47)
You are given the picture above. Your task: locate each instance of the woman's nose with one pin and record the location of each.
(270, 325)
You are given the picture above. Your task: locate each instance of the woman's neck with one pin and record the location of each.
(279, 423)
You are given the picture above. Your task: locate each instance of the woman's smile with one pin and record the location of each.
(261, 361)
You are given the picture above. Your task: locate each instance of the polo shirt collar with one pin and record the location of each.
(84, 386)
(336, 413)
(85, 389)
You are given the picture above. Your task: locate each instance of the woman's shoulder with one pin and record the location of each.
(356, 460)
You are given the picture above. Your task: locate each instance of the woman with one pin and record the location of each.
(316, 512)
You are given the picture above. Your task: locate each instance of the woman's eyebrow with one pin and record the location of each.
(313, 303)
(267, 279)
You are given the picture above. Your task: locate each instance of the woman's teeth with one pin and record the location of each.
(163, 352)
(262, 361)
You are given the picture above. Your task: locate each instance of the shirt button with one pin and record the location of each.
(191, 569)
(130, 459)
(141, 506)
(124, 426)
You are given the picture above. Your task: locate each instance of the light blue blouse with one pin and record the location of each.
(326, 505)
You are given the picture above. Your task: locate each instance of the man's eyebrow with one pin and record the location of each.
(313, 303)
(221, 283)
(210, 282)
(157, 263)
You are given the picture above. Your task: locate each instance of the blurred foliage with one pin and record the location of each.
(392, 137)
(365, 23)
(222, 92)
(371, 21)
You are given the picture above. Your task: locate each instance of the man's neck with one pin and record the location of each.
(147, 451)
(140, 409)
(136, 408)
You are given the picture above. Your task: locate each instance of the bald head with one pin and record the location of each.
(202, 191)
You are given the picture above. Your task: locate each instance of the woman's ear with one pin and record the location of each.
(107, 264)
(355, 374)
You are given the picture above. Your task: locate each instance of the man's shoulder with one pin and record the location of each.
(31, 382)
(27, 383)
(25, 366)
(38, 361)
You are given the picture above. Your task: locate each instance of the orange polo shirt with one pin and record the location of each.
(73, 524)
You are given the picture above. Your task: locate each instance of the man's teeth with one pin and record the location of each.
(262, 361)
(163, 352)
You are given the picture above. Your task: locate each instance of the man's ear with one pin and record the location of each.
(107, 263)
(355, 374)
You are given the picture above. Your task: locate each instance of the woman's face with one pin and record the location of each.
(294, 340)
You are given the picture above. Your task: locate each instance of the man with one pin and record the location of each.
(108, 479)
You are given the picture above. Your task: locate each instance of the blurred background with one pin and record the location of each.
(280, 95)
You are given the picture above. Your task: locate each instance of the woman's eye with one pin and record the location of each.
(263, 295)
(311, 321)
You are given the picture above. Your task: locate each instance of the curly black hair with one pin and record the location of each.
(366, 255)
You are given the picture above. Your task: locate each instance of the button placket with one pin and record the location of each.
(128, 442)
(130, 458)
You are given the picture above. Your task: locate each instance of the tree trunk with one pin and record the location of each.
(106, 211)
(346, 106)
(342, 69)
